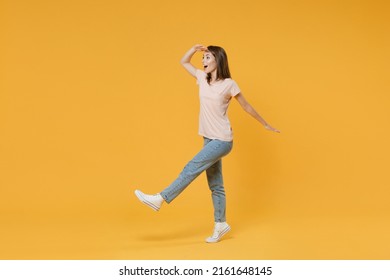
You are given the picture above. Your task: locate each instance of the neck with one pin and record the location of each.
(213, 76)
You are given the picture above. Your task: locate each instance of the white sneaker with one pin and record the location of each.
(220, 229)
(153, 201)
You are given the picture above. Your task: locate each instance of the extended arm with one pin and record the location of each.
(185, 61)
(251, 111)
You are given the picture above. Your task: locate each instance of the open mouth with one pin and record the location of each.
(205, 66)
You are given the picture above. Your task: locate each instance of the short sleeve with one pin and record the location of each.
(200, 76)
(234, 90)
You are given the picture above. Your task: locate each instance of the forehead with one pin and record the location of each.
(208, 53)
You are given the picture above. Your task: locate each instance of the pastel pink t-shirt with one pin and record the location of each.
(214, 102)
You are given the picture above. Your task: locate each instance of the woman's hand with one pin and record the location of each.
(199, 48)
(267, 126)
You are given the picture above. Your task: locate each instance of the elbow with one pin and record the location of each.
(247, 108)
(184, 60)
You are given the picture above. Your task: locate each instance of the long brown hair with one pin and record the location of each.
(222, 63)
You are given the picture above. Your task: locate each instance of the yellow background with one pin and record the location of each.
(94, 104)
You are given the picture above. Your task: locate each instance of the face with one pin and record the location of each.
(209, 63)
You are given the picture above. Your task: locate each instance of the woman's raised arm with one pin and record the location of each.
(185, 61)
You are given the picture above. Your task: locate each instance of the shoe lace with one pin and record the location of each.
(217, 231)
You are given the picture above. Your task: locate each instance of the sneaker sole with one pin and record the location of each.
(221, 234)
(144, 201)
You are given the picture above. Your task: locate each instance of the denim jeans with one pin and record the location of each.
(209, 159)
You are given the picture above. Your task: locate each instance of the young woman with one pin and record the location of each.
(216, 89)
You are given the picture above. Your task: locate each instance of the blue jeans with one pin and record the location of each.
(209, 159)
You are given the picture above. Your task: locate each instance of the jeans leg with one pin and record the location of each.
(213, 151)
(215, 181)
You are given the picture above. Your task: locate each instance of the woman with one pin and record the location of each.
(216, 89)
